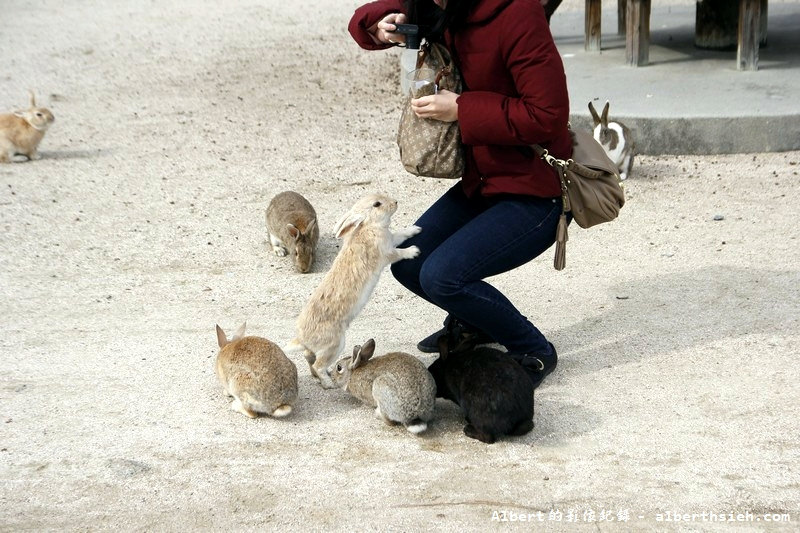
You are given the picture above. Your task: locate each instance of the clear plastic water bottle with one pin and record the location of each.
(408, 59)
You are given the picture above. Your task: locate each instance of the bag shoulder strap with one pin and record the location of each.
(560, 165)
(595, 162)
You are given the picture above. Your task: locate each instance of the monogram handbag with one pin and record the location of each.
(591, 189)
(429, 147)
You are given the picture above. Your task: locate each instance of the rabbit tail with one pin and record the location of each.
(249, 406)
(417, 426)
(282, 410)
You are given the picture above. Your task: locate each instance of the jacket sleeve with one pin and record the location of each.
(539, 110)
(368, 15)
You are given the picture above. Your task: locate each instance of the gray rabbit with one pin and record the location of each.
(397, 384)
(293, 229)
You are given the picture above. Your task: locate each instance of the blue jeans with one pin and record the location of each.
(464, 240)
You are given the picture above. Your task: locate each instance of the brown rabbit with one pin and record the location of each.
(293, 229)
(369, 246)
(257, 374)
(22, 131)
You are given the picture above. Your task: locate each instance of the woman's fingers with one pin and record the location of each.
(423, 107)
(386, 28)
(441, 106)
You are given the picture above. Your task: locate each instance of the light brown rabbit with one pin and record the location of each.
(22, 131)
(293, 229)
(256, 372)
(397, 385)
(369, 246)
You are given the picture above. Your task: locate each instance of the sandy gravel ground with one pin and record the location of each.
(143, 226)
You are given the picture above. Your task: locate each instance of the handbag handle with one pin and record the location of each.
(426, 49)
(444, 71)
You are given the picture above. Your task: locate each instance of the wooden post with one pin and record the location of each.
(749, 26)
(637, 36)
(621, 15)
(593, 16)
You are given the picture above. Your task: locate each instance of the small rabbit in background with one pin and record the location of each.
(397, 385)
(22, 131)
(616, 139)
(493, 390)
(256, 372)
(369, 246)
(293, 229)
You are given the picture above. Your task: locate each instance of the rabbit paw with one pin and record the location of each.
(410, 253)
(236, 405)
(406, 233)
(403, 253)
(322, 376)
(277, 246)
(473, 433)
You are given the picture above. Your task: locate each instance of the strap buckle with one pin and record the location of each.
(554, 161)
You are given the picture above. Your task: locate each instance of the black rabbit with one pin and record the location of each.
(492, 389)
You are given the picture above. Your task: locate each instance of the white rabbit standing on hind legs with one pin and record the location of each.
(616, 139)
(369, 246)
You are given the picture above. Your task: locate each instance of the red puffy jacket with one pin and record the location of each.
(516, 93)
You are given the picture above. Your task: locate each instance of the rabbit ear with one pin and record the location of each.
(310, 225)
(356, 359)
(595, 117)
(33, 98)
(368, 350)
(293, 231)
(222, 340)
(239, 332)
(361, 354)
(604, 117)
(348, 223)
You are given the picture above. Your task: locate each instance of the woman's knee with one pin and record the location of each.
(436, 279)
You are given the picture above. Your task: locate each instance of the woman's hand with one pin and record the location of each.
(441, 106)
(383, 31)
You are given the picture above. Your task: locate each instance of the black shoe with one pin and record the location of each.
(537, 366)
(460, 337)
